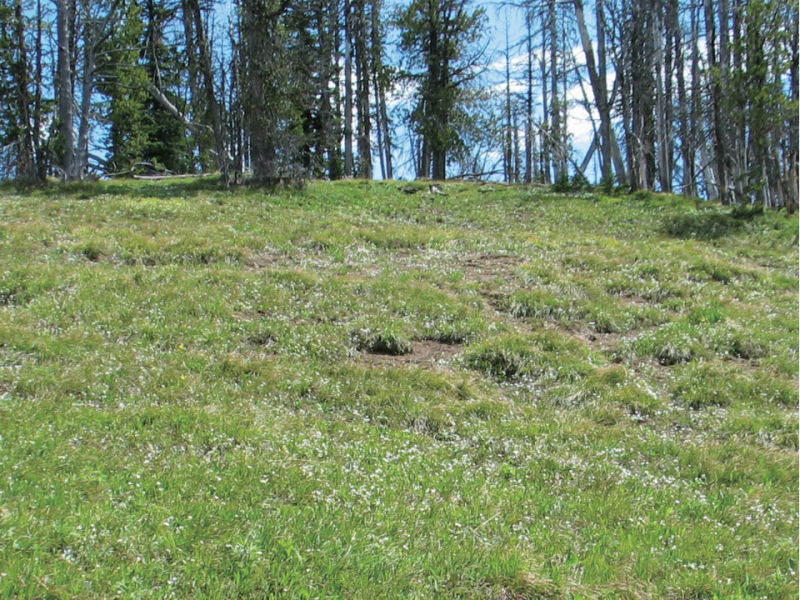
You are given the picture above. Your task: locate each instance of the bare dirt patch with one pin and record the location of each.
(427, 353)
(477, 267)
(488, 267)
(266, 260)
(606, 342)
(634, 299)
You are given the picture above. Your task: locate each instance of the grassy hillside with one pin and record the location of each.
(353, 392)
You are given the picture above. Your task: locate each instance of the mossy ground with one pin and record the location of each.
(208, 393)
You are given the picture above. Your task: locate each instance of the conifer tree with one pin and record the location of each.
(439, 41)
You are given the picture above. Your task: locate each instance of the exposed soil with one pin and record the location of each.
(488, 267)
(424, 353)
(634, 299)
(607, 342)
(265, 260)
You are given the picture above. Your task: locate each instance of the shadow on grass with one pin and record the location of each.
(85, 190)
(165, 189)
(706, 225)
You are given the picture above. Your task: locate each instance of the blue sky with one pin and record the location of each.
(505, 23)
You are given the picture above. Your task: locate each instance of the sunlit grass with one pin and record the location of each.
(351, 392)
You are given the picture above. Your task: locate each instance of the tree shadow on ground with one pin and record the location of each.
(705, 225)
(85, 190)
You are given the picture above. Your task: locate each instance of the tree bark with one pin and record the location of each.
(65, 94)
(348, 91)
(508, 168)
(529, 164)
(204, 56)
(87, 87)
(363, 63)
(720, 152)
(26, 163)
(597, 79)
(686, 143)
(555, 108)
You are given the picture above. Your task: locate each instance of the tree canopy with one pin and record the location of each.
(697, 97)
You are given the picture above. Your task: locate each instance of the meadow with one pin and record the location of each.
(355, 392)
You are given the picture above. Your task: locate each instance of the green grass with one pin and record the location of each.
(351, 392)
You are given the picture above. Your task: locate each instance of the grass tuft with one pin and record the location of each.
(545, 356)
(390, 343)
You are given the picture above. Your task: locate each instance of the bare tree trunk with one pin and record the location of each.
(41, 161)
(668, 150)
(379, 126)
(642, 85)
(235, 125)
(162, 99)
(212, 104)
(437, 76)
(507, 154)
(348, 92)
(363, 63)
(529, 174)
(696, 101)
(376, 68)
(606, 132)
(517, 158)
(379, 74)
(794, 122)
(739, 131)
(424, 169)
(597, 80)
(193, 71)
(65, 93)
(87, 88)
(387, 138)
(555, 111)
(687, 144)
(545, 145)
(720, 152)
(26, 164)
(439, 164)
(623, 77)
(335, 165)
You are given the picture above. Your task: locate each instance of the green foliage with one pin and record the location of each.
(747, 211)
(8, 118)
(22, 153)
(141, 131)
(390, 343)
(609, 185)
(538, 303)
(670, 344)
(439, 40)
(546, 356)
(576, 183)
(755, 89)
(285, 95)
(691, 387)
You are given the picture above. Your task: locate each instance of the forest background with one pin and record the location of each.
(698, 97)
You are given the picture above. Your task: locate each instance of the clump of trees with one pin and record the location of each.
(697, 97)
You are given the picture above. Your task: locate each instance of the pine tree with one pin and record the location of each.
(141, 130)
(17, 135)
(438, 39)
